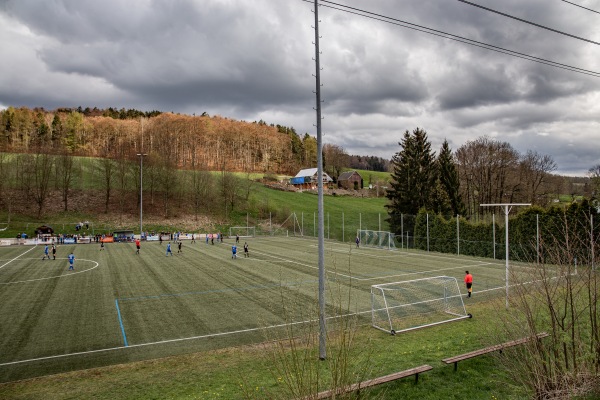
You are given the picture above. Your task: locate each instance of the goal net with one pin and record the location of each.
(242, 231)
(404, 306)
(380, 239)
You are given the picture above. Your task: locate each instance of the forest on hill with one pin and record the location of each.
(211, 143)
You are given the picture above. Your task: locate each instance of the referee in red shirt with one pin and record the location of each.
(469, 282)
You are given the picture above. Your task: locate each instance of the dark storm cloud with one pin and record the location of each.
(254, 60)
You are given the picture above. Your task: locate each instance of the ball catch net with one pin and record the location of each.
(379, 239)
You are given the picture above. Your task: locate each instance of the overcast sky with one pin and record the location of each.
(252, 60)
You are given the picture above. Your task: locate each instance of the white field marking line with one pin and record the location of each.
(8, 262)
(56, 276)
(377, 277)
(405, 254)
(304, 265)
(421, 272)
(211, 335)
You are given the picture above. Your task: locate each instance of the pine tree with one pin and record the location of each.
(450, 183)
(413, 178)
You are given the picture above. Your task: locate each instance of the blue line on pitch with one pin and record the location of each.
(121, 323)
(158, 296)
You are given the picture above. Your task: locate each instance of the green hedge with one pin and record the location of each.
(568, 228)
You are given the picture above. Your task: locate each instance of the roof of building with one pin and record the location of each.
(346, 175)
(312, 172)
(306, 172)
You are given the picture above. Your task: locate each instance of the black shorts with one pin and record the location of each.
(469, 285)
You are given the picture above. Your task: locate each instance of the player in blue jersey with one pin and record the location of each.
(46, 255)
(234, 251)
(169, 249)
(71, 258)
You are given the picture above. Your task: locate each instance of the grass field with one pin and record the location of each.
(118, 307)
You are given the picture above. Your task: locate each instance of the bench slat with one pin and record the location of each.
(490, 349)
(375, 381)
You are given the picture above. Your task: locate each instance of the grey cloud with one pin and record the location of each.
(253, 60)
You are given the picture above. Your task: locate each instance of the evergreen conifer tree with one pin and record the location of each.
(413, 178)
(450, 183)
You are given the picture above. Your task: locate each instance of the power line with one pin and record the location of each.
(461, 39)
(585, 8)
(528, 22)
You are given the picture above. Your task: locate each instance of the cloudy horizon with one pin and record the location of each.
(254, 60)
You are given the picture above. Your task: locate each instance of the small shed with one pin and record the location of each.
(350, 180)
(308, 179)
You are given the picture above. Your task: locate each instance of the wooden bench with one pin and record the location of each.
(375, 381)
(497, 347)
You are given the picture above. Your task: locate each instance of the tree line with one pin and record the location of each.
(35, 180)
(482, 171)
(181, 141)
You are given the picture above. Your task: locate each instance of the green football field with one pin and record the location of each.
(117, 307)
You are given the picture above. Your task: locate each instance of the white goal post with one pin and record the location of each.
(379, 239)
(242, 231)
(404, 306)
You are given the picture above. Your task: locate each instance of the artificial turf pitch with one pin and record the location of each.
(118, 306)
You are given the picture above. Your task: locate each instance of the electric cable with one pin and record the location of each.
(446, 35)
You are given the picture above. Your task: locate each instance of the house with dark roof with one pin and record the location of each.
(350, 180)
(308, 179)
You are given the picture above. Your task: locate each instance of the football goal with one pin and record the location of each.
(379, 239)
(242, 231)
(403, 306)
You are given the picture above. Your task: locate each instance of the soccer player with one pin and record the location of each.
(246, 254)
(357, 241)
(469, 282)
(71, 258)
(237, 239)
(234, 251)
(46, 255)
(179, 247)
(54, 252)
(169, 249)
(137, 245)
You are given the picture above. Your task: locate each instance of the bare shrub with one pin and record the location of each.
(558, 295)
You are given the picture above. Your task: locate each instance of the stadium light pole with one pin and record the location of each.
(141, 155)
(321, 239)
(507, 208)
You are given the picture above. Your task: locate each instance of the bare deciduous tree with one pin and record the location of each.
(42, 164)
(536, 169)
(65, 176)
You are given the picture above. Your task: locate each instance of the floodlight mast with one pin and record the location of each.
(507, 208)
(321, 235)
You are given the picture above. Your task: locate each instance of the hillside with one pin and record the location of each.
(170, 140)
(178, 199)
